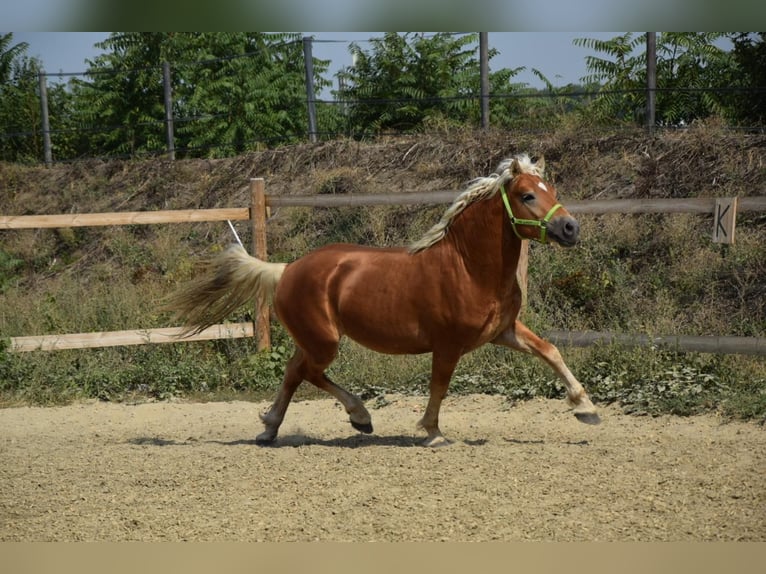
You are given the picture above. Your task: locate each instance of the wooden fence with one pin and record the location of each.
(256, 213)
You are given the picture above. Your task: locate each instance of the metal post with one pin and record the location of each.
(47, 151)
(484, 76)
(651, 79)
(309, 63)
(168, 110)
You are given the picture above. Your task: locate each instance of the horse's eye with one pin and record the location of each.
(527, 197)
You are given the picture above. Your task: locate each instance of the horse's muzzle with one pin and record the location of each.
(564, 230)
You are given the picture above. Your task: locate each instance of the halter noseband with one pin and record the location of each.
(542, 224)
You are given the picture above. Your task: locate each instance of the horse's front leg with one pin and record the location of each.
(520, 338)
(442, 368)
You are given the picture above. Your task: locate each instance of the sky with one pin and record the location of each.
(552, 53)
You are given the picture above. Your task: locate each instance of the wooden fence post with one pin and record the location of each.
(258, 221)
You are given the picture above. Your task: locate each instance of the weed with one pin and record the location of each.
(9, 267)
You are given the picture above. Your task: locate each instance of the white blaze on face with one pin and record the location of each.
(541, 185)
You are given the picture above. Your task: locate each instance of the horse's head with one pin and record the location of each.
(533, 208)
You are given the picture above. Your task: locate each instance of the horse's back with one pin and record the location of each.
(338, 271)
(338, 261)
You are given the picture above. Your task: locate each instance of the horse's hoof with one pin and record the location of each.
(588, 418)
(265, 439)
(436, 442)
(366, 428)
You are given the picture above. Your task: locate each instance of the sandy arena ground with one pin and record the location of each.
(190, 471)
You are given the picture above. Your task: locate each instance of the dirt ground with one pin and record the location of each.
(191, 471)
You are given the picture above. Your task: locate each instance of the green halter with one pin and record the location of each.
(542, 224)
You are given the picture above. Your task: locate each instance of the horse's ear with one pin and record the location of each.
(515, 167)
(540, 164)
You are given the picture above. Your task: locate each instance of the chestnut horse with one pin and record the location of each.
(450, 292)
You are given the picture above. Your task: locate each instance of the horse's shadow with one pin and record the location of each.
(297, 440)
(355, 441)
(541, 441)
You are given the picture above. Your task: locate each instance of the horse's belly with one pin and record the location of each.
(388, 336)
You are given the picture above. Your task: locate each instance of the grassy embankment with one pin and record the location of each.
(654, 274)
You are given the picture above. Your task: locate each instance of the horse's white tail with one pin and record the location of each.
(226, 282)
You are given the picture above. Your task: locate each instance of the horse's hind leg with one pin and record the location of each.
(298, 369)
(295, 372)
(359, 416)
(321, 348)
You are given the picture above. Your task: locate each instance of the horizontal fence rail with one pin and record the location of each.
(683, 343)
(136, 337)
(257, 215)
(696, 205)
(700, 205)
(123, 218)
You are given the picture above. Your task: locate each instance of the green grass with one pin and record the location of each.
(642, 380)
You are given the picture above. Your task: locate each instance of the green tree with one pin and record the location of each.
(20, 112)
(749, 105)
(412, 81)
(247, 89)
(121, 106)
(518, 105)
(8, 56)
(617, 71)
(690, 67)
(232, 91)
(405, 79)
(19, 104)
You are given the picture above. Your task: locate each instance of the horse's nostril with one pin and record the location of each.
(571, 229)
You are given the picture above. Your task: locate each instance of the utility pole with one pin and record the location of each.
(484, 77)
(48, 153)
(651, 79)
(310, 98)
(168, 110)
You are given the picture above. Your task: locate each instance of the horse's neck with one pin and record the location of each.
(486, 243)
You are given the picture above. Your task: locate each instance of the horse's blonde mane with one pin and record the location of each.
(478, 189)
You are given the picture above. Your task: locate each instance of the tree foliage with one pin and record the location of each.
(8, 56)
(19, 104)
(242, 90)
(412, 81)
(232, 91)
(407, 78)
(691, 68)
(123, 102)
(749, 56)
